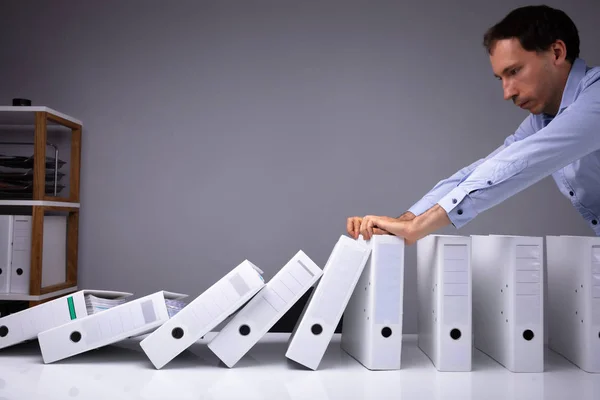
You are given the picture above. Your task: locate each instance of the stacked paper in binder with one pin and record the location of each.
(203, 314)
(508, 288)
(133, 318)
(574, 299)
(372, 325)
(27, 324)
(324, 308)
(444, 292)
(253, 321)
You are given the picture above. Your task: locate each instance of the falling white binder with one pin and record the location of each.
(444, 294)
(203, 314)
(27, 324)
(574, 299)
(508, 289)
(253, 321)
(372, 328)
(327, 302)
(136, 317)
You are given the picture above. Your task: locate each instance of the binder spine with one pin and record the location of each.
(593, 333)
(527, 323)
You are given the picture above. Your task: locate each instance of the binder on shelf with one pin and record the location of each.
(372, 330)
(15, 252)
(573, 264)
(508, 297)
(253, 321)
(327, 302)
(444, 294)
(203, 314)
(27, 324)
(133, 318)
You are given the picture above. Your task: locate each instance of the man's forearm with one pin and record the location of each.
(430, 221)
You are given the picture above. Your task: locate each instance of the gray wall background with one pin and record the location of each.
(218, 131)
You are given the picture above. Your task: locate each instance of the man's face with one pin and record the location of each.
(529, 78)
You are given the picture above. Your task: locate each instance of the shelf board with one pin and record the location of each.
(27, 297)
(29, 203)
(25, 116)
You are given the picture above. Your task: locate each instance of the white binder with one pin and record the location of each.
(327, 302)
(574, 299)
(20, 254)
(252, 322)
(136, 317)
(203, 314)
(6, 229)
(444, 293)
(15, 252)
(372, 325)
(27, 324)
(508, 293)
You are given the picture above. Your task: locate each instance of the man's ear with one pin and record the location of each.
(559, 51)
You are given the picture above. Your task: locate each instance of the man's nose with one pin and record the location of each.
(509, 91)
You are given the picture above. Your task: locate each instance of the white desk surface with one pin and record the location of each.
(123, 372)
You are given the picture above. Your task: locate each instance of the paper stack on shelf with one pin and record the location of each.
(16, 176)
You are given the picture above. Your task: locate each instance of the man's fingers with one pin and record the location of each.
(350, 226)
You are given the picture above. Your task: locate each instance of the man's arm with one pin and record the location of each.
(572, 134)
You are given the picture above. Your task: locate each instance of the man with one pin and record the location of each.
(534, 52)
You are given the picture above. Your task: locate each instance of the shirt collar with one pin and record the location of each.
(577, 73)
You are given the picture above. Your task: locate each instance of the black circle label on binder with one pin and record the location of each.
(455, 334)
(75, 337)
(386, 332)
(3, 331)
(528, 334)
(244, 330)
(316, 329)
(177, 333)
(19, 271)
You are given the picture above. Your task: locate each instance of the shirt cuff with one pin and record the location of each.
(420, 207)
(459, 207)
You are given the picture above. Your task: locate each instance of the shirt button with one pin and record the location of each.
(594, 222)
(460, 213)
(489, 183)
(571, 193)
(454, 201)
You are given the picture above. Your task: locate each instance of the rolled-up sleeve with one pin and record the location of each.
(574, 133)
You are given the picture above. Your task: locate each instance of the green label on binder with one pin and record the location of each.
(71, 307)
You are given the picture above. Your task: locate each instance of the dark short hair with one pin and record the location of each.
(536, 27)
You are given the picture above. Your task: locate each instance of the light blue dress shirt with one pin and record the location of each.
(566, 146)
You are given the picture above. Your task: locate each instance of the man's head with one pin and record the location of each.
(531, 51)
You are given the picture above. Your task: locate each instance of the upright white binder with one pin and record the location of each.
(15, 252)
(372, 328)
(253, 321)
(508, 293)
(27, 324)
(136, 317)
(327, 302)
(574, 299)
(444, 292)
(203, 314)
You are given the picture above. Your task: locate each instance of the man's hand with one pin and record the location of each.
(353, 225)
(411, 229)
(404, 229)
(353, 228)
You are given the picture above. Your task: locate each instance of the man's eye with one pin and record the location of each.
(513, 71)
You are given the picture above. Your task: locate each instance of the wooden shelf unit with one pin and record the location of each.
(40, 118)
